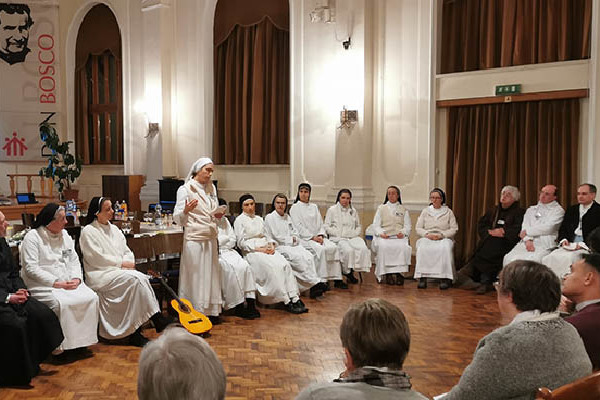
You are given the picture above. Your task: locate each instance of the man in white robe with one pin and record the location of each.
(197, 210)
(539, 230)
(52, 274)
(273, 274)
(309, 223)
(237, 278)
(127, 300)
(342, 224)
(280, 228)
(579, 222)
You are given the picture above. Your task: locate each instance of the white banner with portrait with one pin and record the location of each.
(29, 75)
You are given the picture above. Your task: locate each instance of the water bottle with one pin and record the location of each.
(158, 215)
(124, 210)
(117, 211)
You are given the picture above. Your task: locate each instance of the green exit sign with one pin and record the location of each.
(503, 90)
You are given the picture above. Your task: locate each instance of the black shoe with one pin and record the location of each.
(390, 279)
(324, 286)
(484, 288)
(293, 308)
(137, 339)
(445, 284)
(350, 278)
(243, 312)
(300, 306)
(399, 279)
(161, 322)
(252, 308)
(316, 291)
(422, 283)
(340, 284)
(215, 320)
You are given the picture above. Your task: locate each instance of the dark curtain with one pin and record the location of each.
(252, 93)
(481, 34)
(526, 145)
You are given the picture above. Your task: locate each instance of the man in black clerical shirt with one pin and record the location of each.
(15, 22)
(29, 330)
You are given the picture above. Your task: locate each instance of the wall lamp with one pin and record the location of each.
(348, 118)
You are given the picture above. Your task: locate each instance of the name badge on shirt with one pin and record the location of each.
(66, 253)
(500, 222)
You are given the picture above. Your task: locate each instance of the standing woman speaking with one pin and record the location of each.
(196, 210)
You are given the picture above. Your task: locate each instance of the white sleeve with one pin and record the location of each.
(238, 226)
(377, 229)
(73, 263)
(30, 256)
(94, 253)
(407, 224)
(330, 225)
(179, 216)
(550, 224)
(303, 232)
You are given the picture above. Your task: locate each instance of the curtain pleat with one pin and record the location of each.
(527, 145)
(252, 96)
(481, 34)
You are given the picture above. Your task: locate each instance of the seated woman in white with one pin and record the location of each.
(343, 227)
(436, 226)
(308, 222)
(280, 228)
(52, 273)
(392, 227)
(127, 300)
(273, 275)
(237, 280)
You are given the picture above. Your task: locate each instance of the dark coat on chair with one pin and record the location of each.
(590, 221)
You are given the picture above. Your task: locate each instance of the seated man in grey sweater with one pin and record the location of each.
(376, 340)
(536, 349)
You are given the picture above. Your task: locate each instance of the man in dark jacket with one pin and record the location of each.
(579, 221)
(499, 232)
(29, 330)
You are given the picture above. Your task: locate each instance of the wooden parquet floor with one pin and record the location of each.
(277, 355)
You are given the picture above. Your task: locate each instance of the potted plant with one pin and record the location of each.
(63, 167)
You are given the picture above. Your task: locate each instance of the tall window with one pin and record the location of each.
(98, 86)
(252, 80)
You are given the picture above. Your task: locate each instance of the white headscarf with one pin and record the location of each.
(197, 166)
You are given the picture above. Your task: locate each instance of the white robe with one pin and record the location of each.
(273, 274)
(308, 222)
(126, 298)
(281, 230)
(344, 229)
(435, 258)
(392, 255)
(199, 270)
(46, 258)
(541, 222)
(237, 280)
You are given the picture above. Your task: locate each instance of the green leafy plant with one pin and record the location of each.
(63, 167)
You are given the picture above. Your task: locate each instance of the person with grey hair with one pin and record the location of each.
(180, 366)
(376, 339)
(536, 349)
(52, 272)
(197, 210)
(573, 235)
(498, 233)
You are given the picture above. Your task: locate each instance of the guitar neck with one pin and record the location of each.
(170, 290)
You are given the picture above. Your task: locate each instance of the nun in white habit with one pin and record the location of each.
(344, 229)
(52, 273)
(280, 228)
(127, 300)
(197, 210)
(392, 227)
(237, 278)
(273, 274)
(308, 222)
(436, 226)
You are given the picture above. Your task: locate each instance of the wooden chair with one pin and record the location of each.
(587, 388)
(27, 219)
(259, 209)
(235, 208)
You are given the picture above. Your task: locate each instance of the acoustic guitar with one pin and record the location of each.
(192, 320)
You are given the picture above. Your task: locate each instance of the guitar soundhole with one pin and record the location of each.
(184, 308)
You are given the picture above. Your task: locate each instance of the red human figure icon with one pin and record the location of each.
(15, 146)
